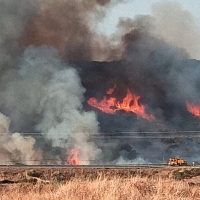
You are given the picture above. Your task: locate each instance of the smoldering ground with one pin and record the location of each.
(48, 74)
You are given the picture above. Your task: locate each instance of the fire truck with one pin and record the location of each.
(177, 161)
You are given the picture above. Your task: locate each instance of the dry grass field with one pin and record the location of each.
(172, 184)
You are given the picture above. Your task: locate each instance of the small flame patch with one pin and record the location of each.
(73, 158)
(193, 108)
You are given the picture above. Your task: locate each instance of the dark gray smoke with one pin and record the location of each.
(13, 18)
(162, 74)
(67, 25)
(44, 94)
(14, 15)
(31, 86)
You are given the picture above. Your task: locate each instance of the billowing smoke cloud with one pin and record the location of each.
(13, 18)
(67, 25)
(159, 71)
(41, 93)
(50, 99)
(177, 27)
(15, 148)
(31, 84)
(61, 108)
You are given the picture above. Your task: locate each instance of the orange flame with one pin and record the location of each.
(73, 158)
(130, 103)
(111, 90)
(194, 109)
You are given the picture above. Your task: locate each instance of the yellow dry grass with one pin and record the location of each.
(135, 188)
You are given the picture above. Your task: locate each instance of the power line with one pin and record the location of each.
(131, 134)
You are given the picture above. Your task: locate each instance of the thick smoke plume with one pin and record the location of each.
(177, 27)
(32, 83)
(67, 25)
(13, 18)
(50, 101)
(15, 148)
(48, 73)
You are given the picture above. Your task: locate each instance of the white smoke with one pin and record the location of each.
(14, 147)
(48, 93)
(56, 94)
(37, 88)
(13, 18)
(137, 161)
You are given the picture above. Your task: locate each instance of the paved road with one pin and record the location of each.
(95, 166)
(90, 166)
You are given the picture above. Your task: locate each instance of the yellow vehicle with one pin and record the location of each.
(177, 161)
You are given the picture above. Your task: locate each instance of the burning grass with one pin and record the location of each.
(102, 188)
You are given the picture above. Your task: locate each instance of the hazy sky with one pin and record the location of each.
(135, 7)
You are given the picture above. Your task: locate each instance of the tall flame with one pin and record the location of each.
(73, 158)
(193, 108)
(130, 103)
